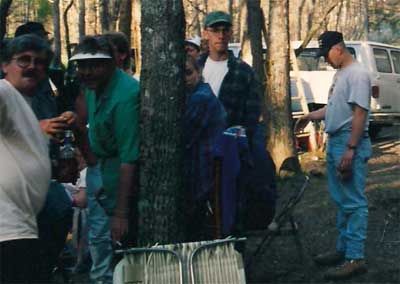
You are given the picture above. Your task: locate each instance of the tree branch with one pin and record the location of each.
(316, 27)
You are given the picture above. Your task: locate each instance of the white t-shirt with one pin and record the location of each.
(351, 85)
(24, 166)
(214, 73)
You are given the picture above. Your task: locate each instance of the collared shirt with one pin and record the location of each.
(113, 127)
(240, 94)
(204, 122)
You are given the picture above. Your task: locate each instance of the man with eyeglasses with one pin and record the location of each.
(55, 219)
(234, 82)
(112, 106)
(24, 164)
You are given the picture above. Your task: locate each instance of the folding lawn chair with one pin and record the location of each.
(203, 262)
(282, 218)
(217, 262)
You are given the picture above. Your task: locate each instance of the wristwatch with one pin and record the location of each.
(352, 147)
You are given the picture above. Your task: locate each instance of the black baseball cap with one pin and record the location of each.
(326, 40)
(31, 28)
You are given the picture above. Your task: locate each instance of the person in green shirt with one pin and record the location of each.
(112, 99)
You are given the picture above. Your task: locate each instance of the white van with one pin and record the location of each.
(381, 60)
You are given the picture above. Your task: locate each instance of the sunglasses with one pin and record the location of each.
(26, 60)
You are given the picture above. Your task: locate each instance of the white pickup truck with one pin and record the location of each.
(381, 60)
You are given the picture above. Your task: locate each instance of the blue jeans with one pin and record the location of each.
(349, 196)
(100, 244)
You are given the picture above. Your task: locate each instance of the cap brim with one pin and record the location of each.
(219, 21)
(83, 56)
(322, 52)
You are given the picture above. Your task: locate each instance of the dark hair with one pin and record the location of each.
(31, 28)
(121, 45)
(95, 44)
(28, 42)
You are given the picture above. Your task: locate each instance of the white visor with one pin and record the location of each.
(82, 56)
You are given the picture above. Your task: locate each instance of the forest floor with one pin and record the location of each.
(282, 263)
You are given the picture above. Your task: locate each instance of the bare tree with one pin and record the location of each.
(57, 35)
(104, 15)
(364, 5)
(280, 141)
(4, 8)
(114, 11)
(82, 19)
(125, 20)
(162, 100)
(255, 22)
(136, 43)
(65, 19)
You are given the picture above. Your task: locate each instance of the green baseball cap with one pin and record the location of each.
(217, 17)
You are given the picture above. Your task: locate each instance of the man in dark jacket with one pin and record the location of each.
(235, 84)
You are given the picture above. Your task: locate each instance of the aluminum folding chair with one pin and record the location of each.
(205, 262)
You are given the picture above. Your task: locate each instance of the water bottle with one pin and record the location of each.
(67, 150)
(67, 163)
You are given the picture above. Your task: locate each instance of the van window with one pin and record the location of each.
(396, 60)
(308, 61)
(382, 60)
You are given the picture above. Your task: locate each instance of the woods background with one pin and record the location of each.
(377, 20)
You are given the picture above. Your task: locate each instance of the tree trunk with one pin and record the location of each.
(255, 25)
(4, 8)
(125, 20)
(104, 16)
(162, 100)
(230, 7)
(82, 20)
(300, 19)
(366, 19)
(280, 136)
(114, 11)
(65, 18)
(136, 18)
(57, 35)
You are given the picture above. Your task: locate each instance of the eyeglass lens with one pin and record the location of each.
(26, 60)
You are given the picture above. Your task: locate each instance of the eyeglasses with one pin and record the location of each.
(223, 30)
(91, 64)
(26, 60)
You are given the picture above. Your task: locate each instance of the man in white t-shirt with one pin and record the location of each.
(236, 85)
(24, 163)
(349, 148)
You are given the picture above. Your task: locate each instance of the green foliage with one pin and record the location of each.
(44, 10)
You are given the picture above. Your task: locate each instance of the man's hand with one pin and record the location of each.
(56, 125)
(301, 123)
(345, 164)
(69, 117)
(53, 126)
(119, 228)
